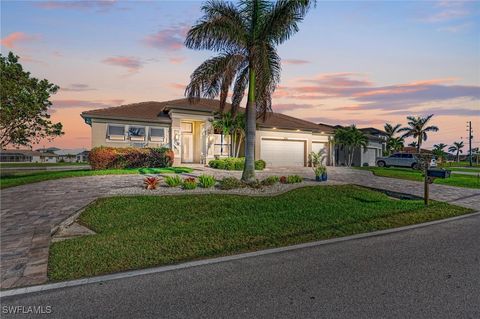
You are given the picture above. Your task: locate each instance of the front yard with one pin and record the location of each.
(22, 178)
(145, 231)
(459, 180)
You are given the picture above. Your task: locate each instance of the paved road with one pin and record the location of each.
(431, 272)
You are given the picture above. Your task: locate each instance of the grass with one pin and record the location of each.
(464, 169)
(461, 164)
(17, 179)
(468, 181)
(146, 231)
(41, 164)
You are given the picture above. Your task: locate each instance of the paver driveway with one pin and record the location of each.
(30, 212)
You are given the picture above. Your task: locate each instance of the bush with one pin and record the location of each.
(260, 165)
(292, 179)
(129, 157)
(151, 182)
(231, 183)
(255, 184)
(189, 183)
(234, 163)
(173, 181)
(206, 181)
(271, 180)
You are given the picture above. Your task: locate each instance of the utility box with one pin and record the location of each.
(438, 173)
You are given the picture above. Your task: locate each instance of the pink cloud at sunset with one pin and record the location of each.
(13, 39)
(167, 39)
(294, 61)
(131, 63)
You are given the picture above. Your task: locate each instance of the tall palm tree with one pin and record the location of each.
(391, 130)
(438, 150)
(350, 138)
(457, 149)
(246, 37)
(413, 144)
(395, 144)
(417, 128)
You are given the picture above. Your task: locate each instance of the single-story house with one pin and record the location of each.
(72, 155)
(364, 156)
(27, 156)
(281, 140)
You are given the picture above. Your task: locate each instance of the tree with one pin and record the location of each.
(391, 131)
(438, 150)
(231, 126)
(417, 128)
(413, 144)
(395, 144)
(24, 118)
(246, 37)
(349, 138)
(457, 149)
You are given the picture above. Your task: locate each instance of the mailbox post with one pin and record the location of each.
(429, 175)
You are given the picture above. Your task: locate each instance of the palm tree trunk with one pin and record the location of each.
(239, 145)
(458, 156)
(419, 144)
(251, 126)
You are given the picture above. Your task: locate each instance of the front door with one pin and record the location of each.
(187, 147)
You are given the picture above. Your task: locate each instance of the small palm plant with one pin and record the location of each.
(350, 138)
(457, 149)
(438, 150)
(418, 129)
(393, 143)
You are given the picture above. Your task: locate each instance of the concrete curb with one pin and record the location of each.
(134, 273)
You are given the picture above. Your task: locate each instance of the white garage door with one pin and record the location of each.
(316, 147)
(369, 156)
(283, 152)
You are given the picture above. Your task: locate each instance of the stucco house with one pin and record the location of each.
(281, 140)
(27, 156)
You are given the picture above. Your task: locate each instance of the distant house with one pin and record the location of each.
(72, 155)
(83, 156)
(413, 150)
(27, 156)
(364, 156)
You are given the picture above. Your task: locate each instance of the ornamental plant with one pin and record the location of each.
(206, 181)
(189, 183)
(173, 181)
(151, 183)
(293, 179)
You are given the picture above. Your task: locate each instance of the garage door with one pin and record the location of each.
(283, 152)
(316, 147)
(369, 156)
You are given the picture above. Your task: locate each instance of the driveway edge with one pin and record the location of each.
(134, 273)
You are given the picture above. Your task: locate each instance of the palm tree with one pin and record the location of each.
(413, 144)
(417, 128)
(350, 138)
(395, 144)
(391, 131)
(438, 150)
(231, 126)
(457, 149)
(246, 37)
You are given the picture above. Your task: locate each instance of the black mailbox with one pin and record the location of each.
(439, 173)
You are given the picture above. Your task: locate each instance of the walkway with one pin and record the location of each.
(29, 213)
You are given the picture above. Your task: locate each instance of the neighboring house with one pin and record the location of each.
(281, 140)
(364, 156)
(48, 150)
(413, 150)
(72, 155)
(27, 156)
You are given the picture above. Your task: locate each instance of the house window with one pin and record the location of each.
(222, 145)
(116, 132)
(186, 127)
(157, 134)
(136, 133)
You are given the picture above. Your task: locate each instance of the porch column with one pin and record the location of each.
(208, 142)
(176, 140)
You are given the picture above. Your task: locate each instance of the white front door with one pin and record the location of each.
(187, 147)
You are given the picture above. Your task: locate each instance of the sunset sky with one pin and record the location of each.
(352, 62)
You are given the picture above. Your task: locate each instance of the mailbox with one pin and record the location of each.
(438, 173)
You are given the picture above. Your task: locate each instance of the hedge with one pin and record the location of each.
(130, 157)
(234, 164)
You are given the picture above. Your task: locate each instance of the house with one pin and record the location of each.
(72, 155)
(364, 156)
(281, 140)
(83, 156)
(27, 156)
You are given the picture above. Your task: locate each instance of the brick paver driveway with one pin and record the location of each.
(29, 213)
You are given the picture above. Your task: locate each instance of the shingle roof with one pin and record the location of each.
(158, 111)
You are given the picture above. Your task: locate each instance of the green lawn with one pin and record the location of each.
(464, 169)
(16, 179)
(40, 164)
(461, 164)
(145, 231)
(469, 181)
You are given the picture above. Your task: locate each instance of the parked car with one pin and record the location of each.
(402, 160)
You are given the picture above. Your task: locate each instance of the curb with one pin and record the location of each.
(140, 272)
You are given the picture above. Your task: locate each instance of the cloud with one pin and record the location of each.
(86, 104)
(179, 86)
(168, 39)
(100, 6)
(294, 61)
(456, 28)
(449, 10)
(77, 87)
(13, 39)
(290, 107)
(133, 64)
(439, 112)
(343, 79)
(177, 60)
(350, 121)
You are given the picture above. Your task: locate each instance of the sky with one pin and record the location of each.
(352, 62)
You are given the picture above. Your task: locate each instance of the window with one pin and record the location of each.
(116, 132)
(186, 127)
(222, 145)
(396, 155)
(407, 155)
(136, 133)
(157, 134)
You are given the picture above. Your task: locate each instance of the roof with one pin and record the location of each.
(48, 149)
(373, 131)
(158, 112)
(27, 153)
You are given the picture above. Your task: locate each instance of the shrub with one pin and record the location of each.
(189, 183)
(283, 179)
(292, 179)
(151, 182)
(231, 183)
(173, 181)
(255, 184)
(271, 180)
(260, 165)
(206, 181)
(234, 163)
(129, 157)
